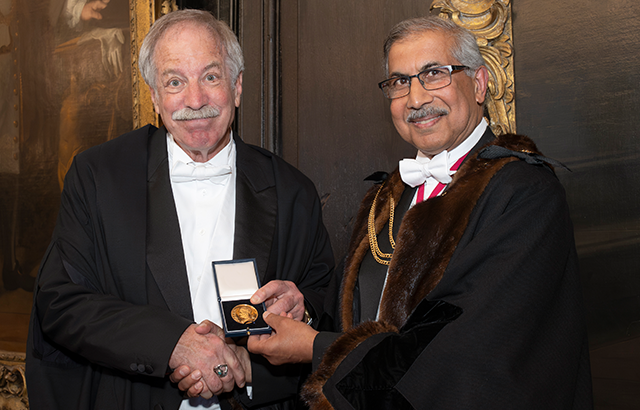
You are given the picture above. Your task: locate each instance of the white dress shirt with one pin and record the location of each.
(453, 156)
(206, 212)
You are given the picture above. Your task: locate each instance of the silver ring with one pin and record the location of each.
(221, 370)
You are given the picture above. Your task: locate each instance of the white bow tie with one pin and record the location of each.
(191, 172)
(415, 172)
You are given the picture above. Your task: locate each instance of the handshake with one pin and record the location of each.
(204, 363)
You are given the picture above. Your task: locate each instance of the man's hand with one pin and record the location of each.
(92, 9)
(191, 382)
(201, 351)
(243, 356)
(290, 342)
(281, 296)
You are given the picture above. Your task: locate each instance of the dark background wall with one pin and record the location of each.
(578, 95)
(310, 94)
(343, 128)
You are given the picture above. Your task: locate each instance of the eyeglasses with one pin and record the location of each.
(432, 78)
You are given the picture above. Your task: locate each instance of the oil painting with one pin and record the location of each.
(67, 82)
(65, 67)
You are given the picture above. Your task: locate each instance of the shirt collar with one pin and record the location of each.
(226, 156)
(461, 150)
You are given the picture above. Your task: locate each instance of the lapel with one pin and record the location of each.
(431, 231)
(120, 181)
(256, 207)
(165, 256)
(359, 247)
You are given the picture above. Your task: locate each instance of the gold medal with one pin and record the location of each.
(244, 314)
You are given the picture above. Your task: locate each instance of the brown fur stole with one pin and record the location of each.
(427, 239)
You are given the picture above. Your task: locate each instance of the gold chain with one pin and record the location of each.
(378, 255)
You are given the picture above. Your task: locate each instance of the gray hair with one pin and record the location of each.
(218, 29)
(465, 48)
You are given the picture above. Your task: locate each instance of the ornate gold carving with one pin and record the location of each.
(142, 14)
(168, 6)
(490, 21)
(13, 387)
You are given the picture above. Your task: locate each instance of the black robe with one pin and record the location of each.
(482, 308)
(112, 296)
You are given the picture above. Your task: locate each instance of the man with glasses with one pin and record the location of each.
(460, 289)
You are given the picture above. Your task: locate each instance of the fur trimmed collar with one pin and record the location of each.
(414, 270)
(438, 236)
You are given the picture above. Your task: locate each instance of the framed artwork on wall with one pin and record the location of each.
(68, 81)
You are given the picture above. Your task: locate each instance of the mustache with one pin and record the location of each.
(186, 114)
(424, 112)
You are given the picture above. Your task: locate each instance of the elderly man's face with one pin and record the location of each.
(194, 94)
(448, 115)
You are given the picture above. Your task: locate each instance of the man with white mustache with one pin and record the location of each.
(187, 113)
(460, 288)
(128, 275)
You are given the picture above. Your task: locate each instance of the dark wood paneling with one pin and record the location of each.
(289, 79)
(250, 113)
(344, 131)
(577, 95)
(259, 34)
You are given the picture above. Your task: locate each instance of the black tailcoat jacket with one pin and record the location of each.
(482, 306)
(112, 295)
